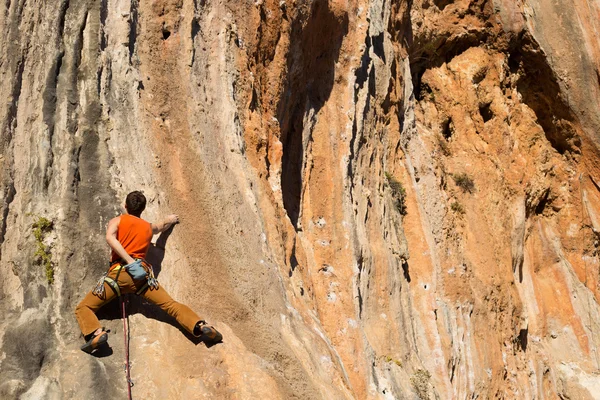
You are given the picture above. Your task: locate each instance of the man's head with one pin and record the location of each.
(135, 203)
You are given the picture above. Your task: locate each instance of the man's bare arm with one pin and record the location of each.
(113, 242)
(165, 224)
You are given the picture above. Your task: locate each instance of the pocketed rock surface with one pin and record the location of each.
(377, 199)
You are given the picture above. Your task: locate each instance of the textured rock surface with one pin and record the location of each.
(280, 133)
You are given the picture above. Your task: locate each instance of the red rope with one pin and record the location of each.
(126, 339)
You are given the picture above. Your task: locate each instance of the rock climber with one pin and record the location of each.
(129, 237)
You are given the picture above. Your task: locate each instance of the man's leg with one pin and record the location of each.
(182, 313)
(86, 310)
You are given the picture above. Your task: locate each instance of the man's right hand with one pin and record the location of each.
(172, 219)
(165, 224)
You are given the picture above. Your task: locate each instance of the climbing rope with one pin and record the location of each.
(126, 339)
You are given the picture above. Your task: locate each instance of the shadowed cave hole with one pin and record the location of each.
(406, 270)
(485, 112)
(441, 4)
(539, 89)
(195, 28)
(447, 129)
(541, 206)
(479, 76)
(522, 339)
(429, 53)
(315, 45)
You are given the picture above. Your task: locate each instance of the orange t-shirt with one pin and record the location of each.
(135, 235)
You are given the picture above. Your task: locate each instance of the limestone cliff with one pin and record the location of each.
(377, 199)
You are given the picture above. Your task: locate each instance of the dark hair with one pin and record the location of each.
(135, 203)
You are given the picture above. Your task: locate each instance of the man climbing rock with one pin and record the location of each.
(129, 237)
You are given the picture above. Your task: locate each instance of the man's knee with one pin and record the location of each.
(80, 307)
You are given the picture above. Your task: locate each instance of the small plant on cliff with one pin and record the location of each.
(457, 208)
(443, 145)
(464, 182)
(40, 228)
(389, 359)
(398, 192)
(420, 382)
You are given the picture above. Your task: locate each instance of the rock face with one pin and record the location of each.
(377, 199)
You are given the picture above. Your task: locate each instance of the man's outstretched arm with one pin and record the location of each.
(162, 226)
(113, 242)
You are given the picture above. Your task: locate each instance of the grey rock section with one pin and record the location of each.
(568, 34)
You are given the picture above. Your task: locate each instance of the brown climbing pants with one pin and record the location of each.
(86, 310)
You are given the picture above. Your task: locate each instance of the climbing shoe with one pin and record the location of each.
(207, 333)
(94, 341)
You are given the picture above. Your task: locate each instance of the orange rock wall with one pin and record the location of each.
(377, 200)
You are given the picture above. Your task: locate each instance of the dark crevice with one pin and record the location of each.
(254, 100)
(293, 261)
(166, 33)
(103, 16)
(195, 21)
(452, 369)
(49, 95)
(544, 200)
(49, 110)
(596, 185)
(378, 46)
(99, 80)
(405, 269)
(268, 39)
(485, 112)
(11, 118)
(195, 28)
(352, 156)
(133, 23)
(62, 16)
(447, 128)
(315, 45)
(359, 263)
(76, 175)
(362, 72)
(9, 196)
(479, 76)
(387, 101)
(522, 339)
(78, 47)
(198, 5)
(372, 83)
(521, 271)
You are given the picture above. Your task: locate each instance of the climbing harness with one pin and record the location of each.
(151, 281)
(138, 270)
